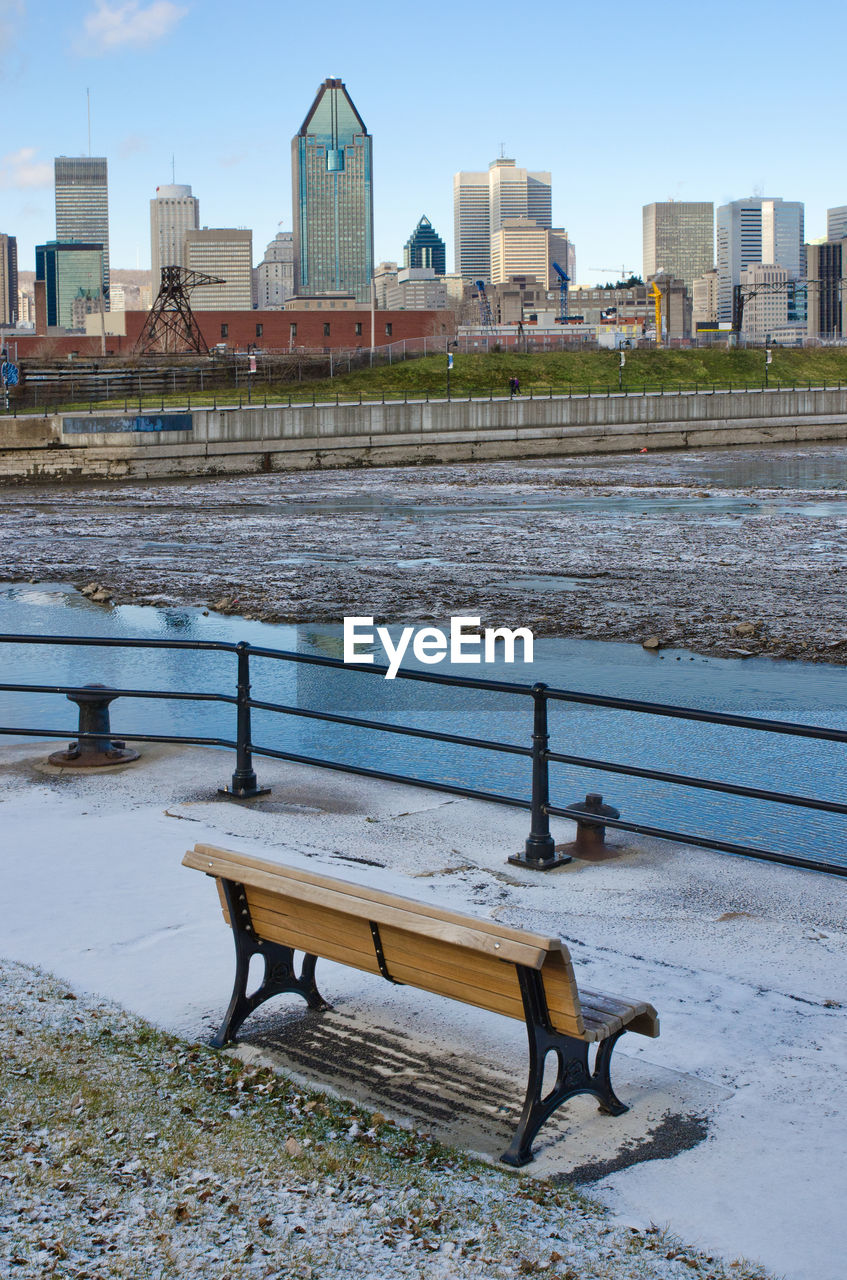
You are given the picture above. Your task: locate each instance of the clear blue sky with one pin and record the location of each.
(624, 103)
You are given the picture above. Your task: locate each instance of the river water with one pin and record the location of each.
(803, 692)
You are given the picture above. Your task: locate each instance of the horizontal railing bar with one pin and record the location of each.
(691, 713)
(379, 669)
(495, 686)
(386, 727)
(163, 694)
(107, 642)
(705, 784)
(75, 735)
(702, 842)
(468, 792)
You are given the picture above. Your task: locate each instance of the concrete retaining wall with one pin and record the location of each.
(213, 442)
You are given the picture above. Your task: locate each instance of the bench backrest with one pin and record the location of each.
(425, 946)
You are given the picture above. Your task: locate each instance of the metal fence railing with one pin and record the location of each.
(540, 849)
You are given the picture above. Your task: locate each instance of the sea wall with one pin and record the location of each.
(229, 441)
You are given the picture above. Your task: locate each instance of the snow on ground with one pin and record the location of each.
(688, 546)
(744, 961)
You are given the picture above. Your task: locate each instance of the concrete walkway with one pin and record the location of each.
(736, 1132)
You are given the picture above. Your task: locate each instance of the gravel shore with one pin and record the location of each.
(728, 553)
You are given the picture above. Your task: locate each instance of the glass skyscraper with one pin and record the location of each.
(425, 248)
(331, 171)
(82, 204)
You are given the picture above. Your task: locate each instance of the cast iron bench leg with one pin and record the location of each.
(280, 975)
(572, 1077)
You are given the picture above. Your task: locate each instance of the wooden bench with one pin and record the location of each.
(275, 910)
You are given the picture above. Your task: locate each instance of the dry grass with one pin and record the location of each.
(125, 1152)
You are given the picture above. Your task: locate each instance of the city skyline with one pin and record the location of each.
(607, 159)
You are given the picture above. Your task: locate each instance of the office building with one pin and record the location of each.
(520, 248)
(560, 249)
(679, 239)
(704, 301)
(68, 273)
(425, 248)
(173, 211)
(826, 297)
(332, 189)
(417, 289)
(227, 253)
(275, 273)
(385, 277)
(82, 205)
(765, 287)
(483, 202)
(757, 230)
(836, 224)
(8, 280)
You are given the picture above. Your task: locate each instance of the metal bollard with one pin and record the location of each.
(92, 752)
(590, 839)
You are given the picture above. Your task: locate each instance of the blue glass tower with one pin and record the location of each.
(425, 248)
(333, 198)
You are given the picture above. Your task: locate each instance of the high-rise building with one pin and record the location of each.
(332, 189)
(471, 226)
(482, 202)
(8, 280)
(679, 239)
(704, 301)
(225, 252)
(827, 299)
(69, 273)
(520, 247)
(757, 230)
(562, 251)
(766, 302)
(82, 205)
(836, 224)
(275, 273)
(173, 211)
(425, 248)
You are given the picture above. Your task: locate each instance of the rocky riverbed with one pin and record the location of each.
(732, 552)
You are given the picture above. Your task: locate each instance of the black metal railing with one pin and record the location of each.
(540, 851)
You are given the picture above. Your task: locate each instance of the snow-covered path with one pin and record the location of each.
(745, 963)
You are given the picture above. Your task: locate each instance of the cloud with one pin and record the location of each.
(112, 24)
(21, 169)
(134, 144)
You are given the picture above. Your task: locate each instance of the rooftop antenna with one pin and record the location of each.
(88, 99)
(502, 151)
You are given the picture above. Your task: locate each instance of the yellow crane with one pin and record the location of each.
(656, 294)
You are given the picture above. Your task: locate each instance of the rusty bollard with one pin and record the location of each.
(93, 752)
(590, 840)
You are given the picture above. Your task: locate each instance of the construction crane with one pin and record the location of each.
(485, 317)
(564, 279)
(655, 293)
(625, 272)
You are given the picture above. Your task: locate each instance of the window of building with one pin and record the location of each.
(294, 330)
(224, 330)
(326, 330)
(358, 328)
(388, 330)
(259, 330)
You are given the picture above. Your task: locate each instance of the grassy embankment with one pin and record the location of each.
(561, 372)
(125, 1152)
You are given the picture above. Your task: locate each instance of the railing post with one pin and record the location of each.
(244, 784)
(540, 849)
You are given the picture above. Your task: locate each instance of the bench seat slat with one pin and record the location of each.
(384, 908)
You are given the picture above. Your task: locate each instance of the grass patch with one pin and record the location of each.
(125, 1152)
(540, 374)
